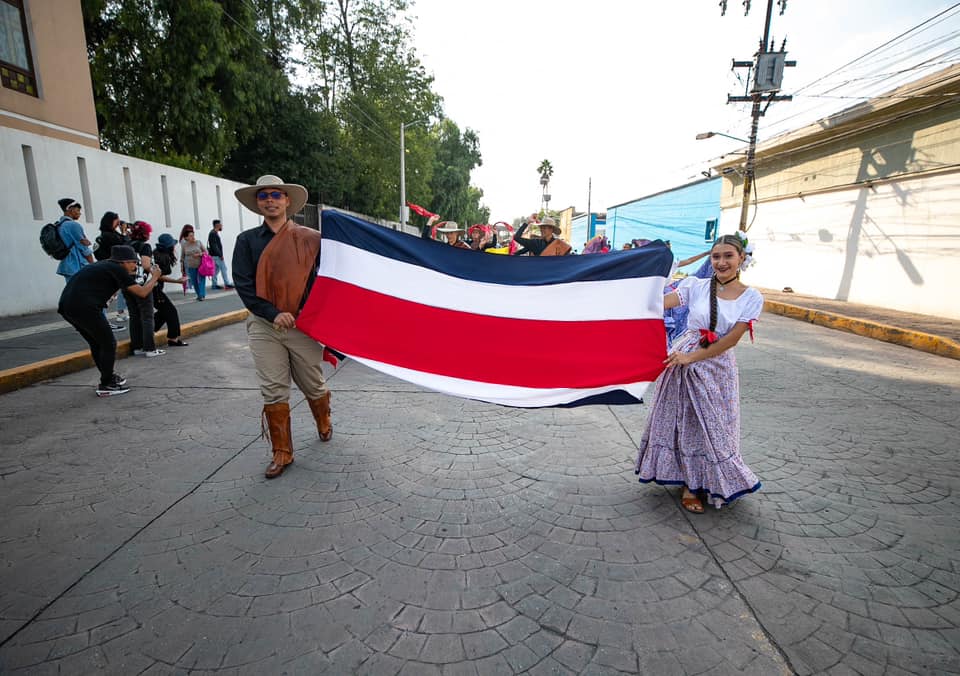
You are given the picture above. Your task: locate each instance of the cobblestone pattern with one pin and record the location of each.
(440, 536)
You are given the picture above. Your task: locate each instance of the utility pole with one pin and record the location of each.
(403, 181)
(589, 215)
(767, 77)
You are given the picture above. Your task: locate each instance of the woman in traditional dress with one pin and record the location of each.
(692, 438)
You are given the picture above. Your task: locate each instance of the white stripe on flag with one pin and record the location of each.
(507, 395)
(635, 298)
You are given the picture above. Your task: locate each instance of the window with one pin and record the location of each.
(16, 64)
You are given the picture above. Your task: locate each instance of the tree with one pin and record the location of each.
(177, 81)
(207, 85)
(545, 169)
(457, 155)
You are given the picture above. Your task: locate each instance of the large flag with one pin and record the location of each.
(517, 331)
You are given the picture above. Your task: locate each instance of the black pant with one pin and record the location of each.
(95, 329)
(141, 322)
(166, 313)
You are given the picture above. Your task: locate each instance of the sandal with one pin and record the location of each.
(692, 504)
(177, 343)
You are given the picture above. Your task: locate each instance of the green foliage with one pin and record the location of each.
(457, 155)
(545, 169)
(206, 85)
(173, 78)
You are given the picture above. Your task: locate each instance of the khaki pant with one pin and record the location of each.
(279, 354)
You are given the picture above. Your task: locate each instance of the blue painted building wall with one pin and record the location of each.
(582, 230)
(679, 215)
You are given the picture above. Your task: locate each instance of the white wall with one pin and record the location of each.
(896, 245)
(27, 275)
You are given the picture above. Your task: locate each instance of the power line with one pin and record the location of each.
(243, 28)
(887, 83)
(383, 134)
(372, 121)
(374, 132)
(878, 48)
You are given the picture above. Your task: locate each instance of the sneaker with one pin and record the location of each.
(228, 286)
(111, 389)
(153, 353)
(121, 317)
(117, 327)
(134, 353)
(118, 379)
(216, 286)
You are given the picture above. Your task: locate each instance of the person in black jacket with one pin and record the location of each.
(165, 312)
(142, 341)
(82, 303)
(110, 236)
(215, 249)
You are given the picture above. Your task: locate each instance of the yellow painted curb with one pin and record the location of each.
(21, 376)
(918, 340)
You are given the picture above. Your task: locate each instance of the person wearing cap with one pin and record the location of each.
(274, 266)
(71, 232)
(165, 312)
(453, 231)
(548, 245)
(84, 298)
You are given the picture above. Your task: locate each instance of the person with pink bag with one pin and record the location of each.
(193, 254)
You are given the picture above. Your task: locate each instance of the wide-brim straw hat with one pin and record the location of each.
(247, 196)
(550, 223)
(449, 226)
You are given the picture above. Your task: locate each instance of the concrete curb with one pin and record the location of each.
(29, 374)
(925, 342)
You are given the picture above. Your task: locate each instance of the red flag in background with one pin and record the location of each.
(417, 209)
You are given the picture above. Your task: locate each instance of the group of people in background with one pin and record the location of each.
(121, 264)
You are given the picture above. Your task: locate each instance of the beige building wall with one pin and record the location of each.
(864, 207)
(565, 221)
(64, 108)
(926, 142)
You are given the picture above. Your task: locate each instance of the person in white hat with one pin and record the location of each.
(453, 232)
(548, 245)
(274, 266)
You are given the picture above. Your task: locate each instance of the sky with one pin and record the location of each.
(613, 92)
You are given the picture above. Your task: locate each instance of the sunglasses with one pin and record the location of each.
(275, 194)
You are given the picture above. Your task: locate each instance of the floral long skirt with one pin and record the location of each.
(692, 436)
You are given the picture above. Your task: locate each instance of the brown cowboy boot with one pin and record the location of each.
(278, 432)
(321, 413)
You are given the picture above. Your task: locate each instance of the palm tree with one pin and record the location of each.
(546, 171)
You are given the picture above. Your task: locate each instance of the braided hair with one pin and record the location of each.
(737, 243)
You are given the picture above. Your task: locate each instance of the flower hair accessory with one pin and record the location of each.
(747, 250)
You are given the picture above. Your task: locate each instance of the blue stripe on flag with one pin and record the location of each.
(654, 260)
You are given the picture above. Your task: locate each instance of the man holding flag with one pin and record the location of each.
(274, 267)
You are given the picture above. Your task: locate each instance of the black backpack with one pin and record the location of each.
(104, 243)
(52, 243)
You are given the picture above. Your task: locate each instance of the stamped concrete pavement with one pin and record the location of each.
(434, 535)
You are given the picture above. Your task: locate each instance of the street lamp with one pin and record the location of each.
(710, 134)
(403, 172)
(748, 169)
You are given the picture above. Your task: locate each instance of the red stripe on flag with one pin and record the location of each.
(518, 352)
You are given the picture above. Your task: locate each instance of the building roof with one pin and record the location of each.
(909, 99)
(665, 191)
